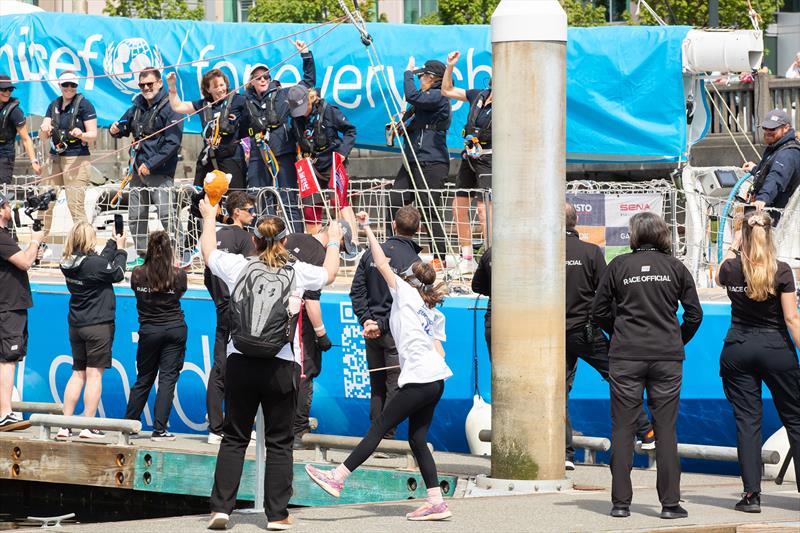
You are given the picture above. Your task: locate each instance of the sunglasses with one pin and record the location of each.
(7, 90)
(251, 210)
(263, 77)
(771, 130)
(69, 85)
(147, 84)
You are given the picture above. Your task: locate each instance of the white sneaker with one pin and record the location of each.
(467, 266)
(91, 434)
(63, 434)
(213, 438)
(569, 465)
(218, 521)
(253, 435)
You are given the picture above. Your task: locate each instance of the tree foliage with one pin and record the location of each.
(579, 13)
(732, 13)
(153, 9)
(306, 11)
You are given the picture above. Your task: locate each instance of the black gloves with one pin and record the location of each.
(324, 343)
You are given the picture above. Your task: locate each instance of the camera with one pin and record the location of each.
(39, 202)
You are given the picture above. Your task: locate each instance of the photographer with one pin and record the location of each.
(15, 299)
(71, 122)
(92, 310)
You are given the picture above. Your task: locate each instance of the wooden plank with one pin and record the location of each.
(193, 474)
(75, 463)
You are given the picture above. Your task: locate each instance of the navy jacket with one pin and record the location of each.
(784, 175)
(281, 140)
(430, 107)
(333, 123)
(159, 153)
(369, 292)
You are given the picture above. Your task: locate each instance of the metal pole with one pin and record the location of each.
(713, 13)
(529, 142)
(261, 459)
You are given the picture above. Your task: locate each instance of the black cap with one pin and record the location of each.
(432, 67)
(5, 82)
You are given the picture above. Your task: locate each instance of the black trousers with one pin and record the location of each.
(750, 357)
(312, 366)
(160, 352)
(433, 177)
(417, 402)
(251, 382)
(628, 380)
(596, 354)
(382, 352)
(215, 392)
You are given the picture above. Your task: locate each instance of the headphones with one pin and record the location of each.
(277, 238)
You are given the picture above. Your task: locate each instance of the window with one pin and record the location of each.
(416, 9)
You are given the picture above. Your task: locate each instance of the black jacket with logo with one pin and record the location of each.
(369, 292)
(89, 280)
(646, 286)
(585, 266)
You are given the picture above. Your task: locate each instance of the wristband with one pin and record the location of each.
(334, 243)
(319, 328)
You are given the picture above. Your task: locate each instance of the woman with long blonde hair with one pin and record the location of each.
(92, 304)
(760, 346)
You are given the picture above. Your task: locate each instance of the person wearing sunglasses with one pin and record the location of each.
(159, 132)
(269, 128)
(71, 124)
(12, 123)
(235, 239)
(777, 176)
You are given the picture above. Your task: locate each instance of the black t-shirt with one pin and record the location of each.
(15, 289)
(484, 118)
(234, 240)
(15, 119)
(158, 308)
(84, 112)
(747, 312)
(585, 266)
(306, 248)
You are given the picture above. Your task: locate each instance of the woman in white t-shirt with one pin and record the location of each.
(253, 381)
(418, 329)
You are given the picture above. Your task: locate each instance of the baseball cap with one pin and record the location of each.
(349, 251)
(5, 82)
(67, 77)
(775, 119)
(3, 199)
(298, 100)
(432, 67)
(258, 66)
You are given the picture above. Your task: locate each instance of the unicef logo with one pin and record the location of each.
(127, 56)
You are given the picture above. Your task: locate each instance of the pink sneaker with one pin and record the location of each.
(325, 479)
(430, 512)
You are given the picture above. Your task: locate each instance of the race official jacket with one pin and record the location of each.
(159, 152)
(585, 266)
(646, 286)
(89, 281)
(369, 291)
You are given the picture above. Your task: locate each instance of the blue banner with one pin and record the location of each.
(625, 98)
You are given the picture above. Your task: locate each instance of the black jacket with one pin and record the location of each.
(585, 266)
(369, 292)
(646, 286)
(89, 280)
(431, 114)
(159, 153)
(482, 280)
(281, 139)
(783, 174)
(235, 240)
(333, 122)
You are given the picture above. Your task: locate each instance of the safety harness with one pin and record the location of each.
(62, 139)
(762, 171)
(263, 115)
(144, 120)
(313, 139)
(8, 132)
(484, 135)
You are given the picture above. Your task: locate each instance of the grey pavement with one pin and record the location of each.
(709, 500)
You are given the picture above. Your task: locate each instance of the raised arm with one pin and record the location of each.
(378, 257)
(175, 102)
(208, 239)
(331, 263)
(447, 81)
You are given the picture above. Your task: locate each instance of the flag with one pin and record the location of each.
(339, 182)
(307, 182)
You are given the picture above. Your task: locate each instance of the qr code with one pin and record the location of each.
(354, 355)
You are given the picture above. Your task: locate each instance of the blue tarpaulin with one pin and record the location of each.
(625, 97)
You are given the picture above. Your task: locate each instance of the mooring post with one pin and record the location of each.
(529, 160)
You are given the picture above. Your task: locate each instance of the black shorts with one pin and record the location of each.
(6, 170)
(91, 346)
(13, 335)
(474, 173)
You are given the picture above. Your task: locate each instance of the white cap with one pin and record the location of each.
(67, 77)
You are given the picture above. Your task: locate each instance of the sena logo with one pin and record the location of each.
(629, 208)
(583, 208)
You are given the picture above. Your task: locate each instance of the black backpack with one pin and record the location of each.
(259, 310)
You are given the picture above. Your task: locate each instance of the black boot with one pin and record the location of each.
(750, 503)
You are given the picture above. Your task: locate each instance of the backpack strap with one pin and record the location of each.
(7, 134)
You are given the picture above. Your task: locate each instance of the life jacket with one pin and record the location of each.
(484, 135)
(312, 140)
(762, 171)
(8, 131)
(226, 126)
(263, 118)
(144, 119)
(61, 135)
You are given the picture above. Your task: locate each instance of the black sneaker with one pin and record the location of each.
(673, 511)
(749, 504)
(619, 511)
(11, 422)
(162, 436)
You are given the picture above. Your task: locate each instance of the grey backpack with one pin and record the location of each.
(259, 310)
